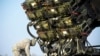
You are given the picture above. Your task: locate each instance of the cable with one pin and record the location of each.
(28, 30)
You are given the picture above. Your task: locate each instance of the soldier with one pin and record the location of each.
(23, 47)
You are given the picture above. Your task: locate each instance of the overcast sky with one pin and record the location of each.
(13, 23)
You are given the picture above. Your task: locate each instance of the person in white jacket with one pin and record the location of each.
(23, 47)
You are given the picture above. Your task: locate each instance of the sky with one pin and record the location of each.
(13, 21)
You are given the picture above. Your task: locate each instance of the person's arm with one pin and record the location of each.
(27, 49)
